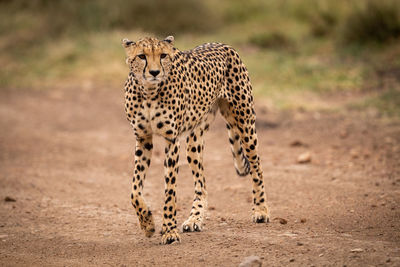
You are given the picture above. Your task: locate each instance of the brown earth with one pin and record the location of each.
(66, 158)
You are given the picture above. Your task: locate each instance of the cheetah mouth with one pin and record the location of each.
(152, 83)
(152, 80)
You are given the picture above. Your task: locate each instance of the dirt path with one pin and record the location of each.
(66, 157)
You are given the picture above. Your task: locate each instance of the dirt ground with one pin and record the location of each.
(66, 158)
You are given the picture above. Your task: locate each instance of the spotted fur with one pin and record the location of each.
(172, 93)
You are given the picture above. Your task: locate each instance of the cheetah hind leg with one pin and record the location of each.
(240, 161)
(244, 143)
(250, 147)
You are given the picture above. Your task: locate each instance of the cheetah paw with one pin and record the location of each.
(170, 237)
(260, 215)
(148, 227)
(192, 225)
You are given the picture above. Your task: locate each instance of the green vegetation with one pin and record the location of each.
(374, 22)
(274, 40)
(387, 103)
(296, 50)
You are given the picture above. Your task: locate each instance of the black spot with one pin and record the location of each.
(138, 152)
(148, 146)
(160, 125)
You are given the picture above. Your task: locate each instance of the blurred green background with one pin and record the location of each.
(301, 54)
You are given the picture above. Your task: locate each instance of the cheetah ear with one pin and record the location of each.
(130, 47)
(127, 43)
(170, 39)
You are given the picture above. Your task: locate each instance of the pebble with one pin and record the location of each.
(354, 153)
(251, 261)
(357, 250)
(304, 158)
(9, 199)
(281, 220)
(297, 143)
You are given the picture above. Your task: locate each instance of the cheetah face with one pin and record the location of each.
(150, 59)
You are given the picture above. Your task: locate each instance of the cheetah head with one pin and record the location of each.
(150, 59)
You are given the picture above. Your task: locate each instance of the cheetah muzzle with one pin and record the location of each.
(171, 93)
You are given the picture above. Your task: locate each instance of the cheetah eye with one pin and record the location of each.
(163, 55)
(142, 56)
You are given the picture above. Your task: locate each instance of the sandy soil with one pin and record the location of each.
(66, 158)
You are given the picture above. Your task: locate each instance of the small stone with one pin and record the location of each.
(251, 261)
(344, 134)
(354, 153)
(356, 250)
(9, 199)
(281, 220)
(211, 208)
(303, 220)
(291, 260)
(304, 158)
(297, 143)
(299, 244)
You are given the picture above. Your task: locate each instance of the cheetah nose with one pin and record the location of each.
(154, 72)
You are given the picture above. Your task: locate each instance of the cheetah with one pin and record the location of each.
(173, 93)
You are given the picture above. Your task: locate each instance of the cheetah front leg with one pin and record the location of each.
(144, 147)
(169, 229)
(194, 152)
